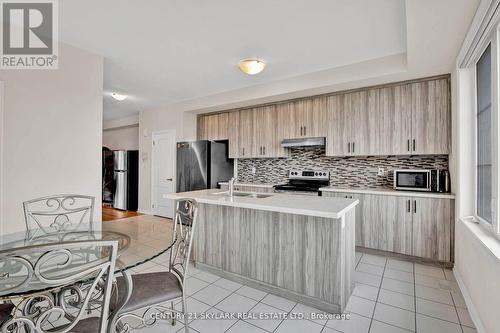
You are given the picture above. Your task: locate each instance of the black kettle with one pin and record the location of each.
(444, 181)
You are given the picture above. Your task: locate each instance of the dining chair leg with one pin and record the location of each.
(173, 313)
(184, 311)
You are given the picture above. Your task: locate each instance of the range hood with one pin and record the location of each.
(303, 142)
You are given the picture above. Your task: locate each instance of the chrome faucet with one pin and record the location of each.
(231, 186)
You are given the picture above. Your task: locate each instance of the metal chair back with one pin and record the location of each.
(53, 214)
(67, 277)
(186, 213)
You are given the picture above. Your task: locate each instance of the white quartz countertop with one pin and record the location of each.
(249, 184)
(388, 191)
(276, 202)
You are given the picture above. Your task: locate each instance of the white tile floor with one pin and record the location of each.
(390, 296)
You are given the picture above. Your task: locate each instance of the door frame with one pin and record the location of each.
(153, 135)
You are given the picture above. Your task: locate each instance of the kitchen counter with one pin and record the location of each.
(280, 243)
(389, 191)
(276, 202)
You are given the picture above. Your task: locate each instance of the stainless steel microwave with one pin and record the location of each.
(416, 180)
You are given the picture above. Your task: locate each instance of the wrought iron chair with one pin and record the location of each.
(50, 215)
(146, 292)
(55, 268)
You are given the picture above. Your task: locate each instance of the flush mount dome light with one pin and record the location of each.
(252, 66)
(119, 96)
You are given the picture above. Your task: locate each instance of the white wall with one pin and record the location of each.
(477, 252)
(477, 269)
(184, 125)
(122, 138)
(52, 133)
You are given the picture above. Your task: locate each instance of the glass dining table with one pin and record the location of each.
(140, 240)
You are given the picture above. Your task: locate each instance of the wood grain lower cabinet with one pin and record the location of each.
(433, 228)
(420, 227)
(382, 222)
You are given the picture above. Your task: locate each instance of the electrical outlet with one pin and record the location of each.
(381, 172)
(254, 170)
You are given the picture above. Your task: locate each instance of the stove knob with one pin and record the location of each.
(315, 173)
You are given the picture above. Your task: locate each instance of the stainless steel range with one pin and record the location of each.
(305, 182)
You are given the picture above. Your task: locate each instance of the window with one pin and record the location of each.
(484, 146)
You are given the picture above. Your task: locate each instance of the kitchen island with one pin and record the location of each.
(298, 247)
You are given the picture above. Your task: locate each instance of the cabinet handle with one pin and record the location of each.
(353, 150)
(408, 144)
(408, 206)
(348, 147)
(261, 150)
(305, 130)
(301, 130)
(243, 151)
(414, 206)
(414, 145)
(264, 150)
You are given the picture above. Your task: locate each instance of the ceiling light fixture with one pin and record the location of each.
(118, 96)
(252, 66)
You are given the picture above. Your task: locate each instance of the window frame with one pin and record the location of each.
(492, 40)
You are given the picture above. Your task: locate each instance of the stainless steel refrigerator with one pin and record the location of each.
(126, 178)
(202, 164)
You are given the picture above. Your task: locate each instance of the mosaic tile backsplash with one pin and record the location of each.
(352, 172)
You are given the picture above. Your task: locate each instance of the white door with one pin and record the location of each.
(164, 156)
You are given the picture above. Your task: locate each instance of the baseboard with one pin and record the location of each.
(282, 292)
(147, 212)
(468, 301)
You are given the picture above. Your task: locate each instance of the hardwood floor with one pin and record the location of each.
(110, 213)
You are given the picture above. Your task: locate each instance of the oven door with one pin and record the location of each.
(412, 180)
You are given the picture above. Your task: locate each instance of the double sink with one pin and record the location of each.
(244, 194)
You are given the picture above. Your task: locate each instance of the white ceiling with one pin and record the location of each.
(165, 51)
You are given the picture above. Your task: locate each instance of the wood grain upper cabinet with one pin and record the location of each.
(338, 131)
(348, 125)
(398, 119)
(286, 120)
(305, 118)
(213, 127)
(233, 133)
(265, 137)
(316, 120)
(245, 133)
(360, 123)
(430, 117)
(432, 228)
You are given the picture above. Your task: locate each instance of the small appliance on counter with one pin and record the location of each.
(425, 180)
(304, 182)
(202, 165)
